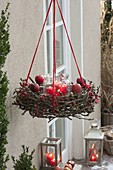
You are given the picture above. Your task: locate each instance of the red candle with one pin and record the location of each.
(93, 157)
(62, 88)
(53, 162)
(58, 93)
(50, 90)
(57, 83)
(49, 156)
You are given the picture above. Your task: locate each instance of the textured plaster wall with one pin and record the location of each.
(26, 18)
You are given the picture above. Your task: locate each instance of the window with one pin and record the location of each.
(60, 61)
(57, 127)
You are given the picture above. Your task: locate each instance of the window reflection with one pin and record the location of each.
(48, 51)
(59, 46)
(58, 17)
(60, 131)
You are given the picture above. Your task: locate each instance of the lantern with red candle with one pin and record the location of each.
(94, 144)
(50, 152)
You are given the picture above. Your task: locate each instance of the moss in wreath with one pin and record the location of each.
(4, 50)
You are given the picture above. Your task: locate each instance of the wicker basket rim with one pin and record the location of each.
(107, 140)
(108, 113)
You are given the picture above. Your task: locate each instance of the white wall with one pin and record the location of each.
(26, 18)
(76, 35)
(87, 49)
(91, 41)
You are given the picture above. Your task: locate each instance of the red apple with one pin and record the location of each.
(76, 88)
(34, 87)
(68, 166)
(71, 162)
(39, 79)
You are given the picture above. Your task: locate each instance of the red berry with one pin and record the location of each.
(39, 79)
(76, 88)
(81, 81)
(88, 86)
(42, 97)
(25, 94)
(91, 93)
(96, 100)
(34, 87)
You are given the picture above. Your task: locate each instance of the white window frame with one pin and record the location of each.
(66, 12)
(67, 153)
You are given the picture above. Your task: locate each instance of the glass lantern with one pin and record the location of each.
(94, 145)
(51, 154)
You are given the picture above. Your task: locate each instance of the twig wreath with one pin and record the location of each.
(59, 97)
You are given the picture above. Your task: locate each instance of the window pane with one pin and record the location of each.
(58, 17)
(51, 131)
(48, 51)
(59, 46)
(60, 131)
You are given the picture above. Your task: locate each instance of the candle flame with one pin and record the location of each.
(97, 155)
(93, 146)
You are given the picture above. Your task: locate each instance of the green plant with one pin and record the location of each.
(4, 50)
(25, 160)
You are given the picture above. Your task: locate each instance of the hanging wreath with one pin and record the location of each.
(59, 97)
(62, 101)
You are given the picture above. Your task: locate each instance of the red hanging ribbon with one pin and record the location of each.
(54, 42)
(54, 54)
